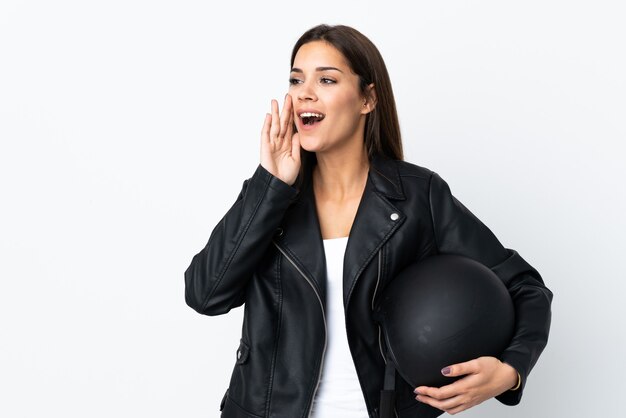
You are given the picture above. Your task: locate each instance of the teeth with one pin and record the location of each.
(311, 115)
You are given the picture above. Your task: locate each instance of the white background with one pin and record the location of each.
(127, 129)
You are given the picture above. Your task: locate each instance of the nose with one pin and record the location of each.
(306, 92)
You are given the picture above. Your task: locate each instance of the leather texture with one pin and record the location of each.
(267, 252)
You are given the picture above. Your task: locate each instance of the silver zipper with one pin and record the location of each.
(380, 345)
(319, 299)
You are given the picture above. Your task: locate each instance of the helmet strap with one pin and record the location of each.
(388, 394)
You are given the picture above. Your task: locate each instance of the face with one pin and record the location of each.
(329, 109)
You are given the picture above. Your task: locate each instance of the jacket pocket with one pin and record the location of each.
(246, 390)
(234, 410)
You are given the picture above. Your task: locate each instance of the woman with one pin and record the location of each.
(328, 218)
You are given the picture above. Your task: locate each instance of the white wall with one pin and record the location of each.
(127, 128)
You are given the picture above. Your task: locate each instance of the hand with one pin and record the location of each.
(280, 147)
(485, 377)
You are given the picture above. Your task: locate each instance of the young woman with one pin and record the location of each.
(330, 216)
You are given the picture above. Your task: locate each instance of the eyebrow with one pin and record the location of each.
(298, 70)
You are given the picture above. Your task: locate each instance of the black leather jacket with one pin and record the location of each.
(267, 252)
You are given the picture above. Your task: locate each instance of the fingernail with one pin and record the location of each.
(445, 371)
(416, 392)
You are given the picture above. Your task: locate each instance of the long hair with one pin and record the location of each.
(382, 129)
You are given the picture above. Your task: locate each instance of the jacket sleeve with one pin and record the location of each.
(458, 231)
(216, 279)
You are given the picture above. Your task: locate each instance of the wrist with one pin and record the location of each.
(519, 382)
(514, 379)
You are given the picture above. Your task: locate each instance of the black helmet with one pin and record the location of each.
(443, 310)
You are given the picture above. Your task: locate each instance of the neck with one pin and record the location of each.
(341, 174)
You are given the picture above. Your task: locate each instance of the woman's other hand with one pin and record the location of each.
(485, 377)
(280, 147)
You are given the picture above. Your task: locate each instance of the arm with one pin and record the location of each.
(216, 279)
(458, 231)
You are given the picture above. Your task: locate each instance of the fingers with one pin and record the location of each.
(295, 147)
(275, 127)
(265, 131)
(281, 125)
(460, 369)
(453, 389)
(451, 405)
(450, 398)
(280, 147)
(441, 393)
(286, 117)
(480, 382)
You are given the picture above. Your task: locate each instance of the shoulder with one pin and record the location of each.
(397, 178)
(417, 180)
(399, 169)
(409, 170)
(420, 175)
(411, 174)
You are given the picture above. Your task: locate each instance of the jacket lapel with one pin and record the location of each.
(377, 218)
(302, 239)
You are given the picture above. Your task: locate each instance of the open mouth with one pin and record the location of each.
(310, 118)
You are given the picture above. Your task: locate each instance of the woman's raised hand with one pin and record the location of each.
(280, 146)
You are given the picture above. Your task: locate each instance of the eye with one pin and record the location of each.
(326, 80)
(293, 81)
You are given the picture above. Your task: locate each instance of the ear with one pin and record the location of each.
(370, 100)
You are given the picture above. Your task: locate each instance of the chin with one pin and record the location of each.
(310, 143)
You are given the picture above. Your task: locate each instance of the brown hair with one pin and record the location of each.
(382, 129)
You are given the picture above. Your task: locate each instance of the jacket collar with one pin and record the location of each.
(385, 177)
(377, 218)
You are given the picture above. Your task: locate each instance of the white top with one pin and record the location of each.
(339, 393)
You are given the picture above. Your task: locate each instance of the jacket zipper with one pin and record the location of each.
(380, 345)
(319, 299)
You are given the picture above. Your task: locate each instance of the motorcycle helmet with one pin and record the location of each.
(442, 310)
